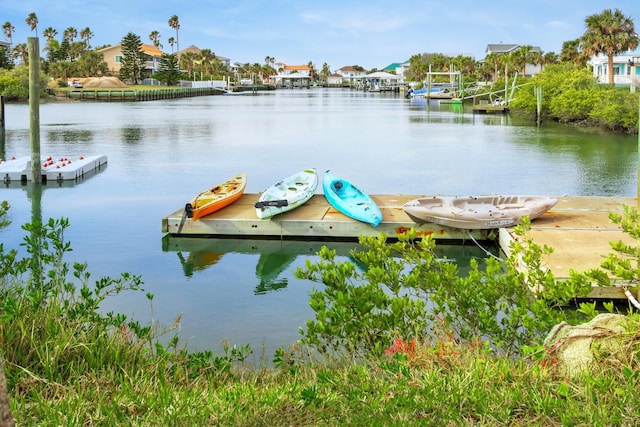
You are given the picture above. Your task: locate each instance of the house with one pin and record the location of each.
(292, 76)
(4, 44)
(303, 70)
(626, 68)
(350, 72)
(113, 57)
(334, 80)
(505, 49)
(397, 68)
(195, 49)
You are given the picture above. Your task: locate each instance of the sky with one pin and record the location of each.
(371, 34)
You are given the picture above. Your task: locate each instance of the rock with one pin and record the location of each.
(575, 350)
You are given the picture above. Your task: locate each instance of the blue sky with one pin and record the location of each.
(372, 34)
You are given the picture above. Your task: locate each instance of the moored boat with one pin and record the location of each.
(215, 198)
(350, 200)
(478, 212)
(287, 194)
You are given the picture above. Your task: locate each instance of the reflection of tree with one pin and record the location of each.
(132, 134)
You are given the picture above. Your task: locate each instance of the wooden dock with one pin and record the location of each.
(578, 228)
(485, 107)
(579, 231)
(316, 220)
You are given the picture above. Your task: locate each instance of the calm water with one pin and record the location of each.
(162, 153)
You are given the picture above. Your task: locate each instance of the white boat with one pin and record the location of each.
(287, 194)
(478, 212)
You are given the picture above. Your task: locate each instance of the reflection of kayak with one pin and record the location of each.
(270, 266)
(287, 194)
(205, 252)
(198, 261)
(217, 197)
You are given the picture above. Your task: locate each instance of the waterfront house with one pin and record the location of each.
(226, 62)
(350, 71)
(292, 75)
(626, 68)
(334, 80)
(397, 68)
(505, 49)
(113, 57)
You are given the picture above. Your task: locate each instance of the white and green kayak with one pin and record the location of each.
(287, 194)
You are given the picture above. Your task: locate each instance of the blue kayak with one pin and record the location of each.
(350, 200)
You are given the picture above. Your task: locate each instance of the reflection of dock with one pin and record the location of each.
(276, 255)
(578, 228)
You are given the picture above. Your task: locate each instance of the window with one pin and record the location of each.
(118, 59)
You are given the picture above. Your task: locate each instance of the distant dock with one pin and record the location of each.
(485, 107)
(53, 169)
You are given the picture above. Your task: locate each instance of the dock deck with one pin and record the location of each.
(315, 220)
(578, 228)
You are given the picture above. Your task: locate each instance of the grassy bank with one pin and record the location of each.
(378, 357)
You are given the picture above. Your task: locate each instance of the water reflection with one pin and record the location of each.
(276, 257)
(70, 135)
(132, 134)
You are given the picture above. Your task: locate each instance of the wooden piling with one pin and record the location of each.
(538, 91)
(1, 112)
(34, 108)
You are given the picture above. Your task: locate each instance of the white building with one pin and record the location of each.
(626, 68)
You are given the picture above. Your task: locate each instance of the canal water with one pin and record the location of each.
(161, 153)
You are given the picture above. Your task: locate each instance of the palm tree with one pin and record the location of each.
(86, 36)
(8, 30)
(50, 33)
(154, 36)
(20, 51)
(609, 33)
(175, 24)
(171, 42)
(32, 22)
(571, 52)
(207, 57)
(187, 61)
(523, 56)
(70, 34)
(549, 58)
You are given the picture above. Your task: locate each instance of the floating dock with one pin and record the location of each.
(485, 107)
(316, 220)
(53, 169)
(577, 228)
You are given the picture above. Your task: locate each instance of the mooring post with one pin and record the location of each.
(538, 91)
(34, 108)
(638, 194)
(1, 112)
(2, 138)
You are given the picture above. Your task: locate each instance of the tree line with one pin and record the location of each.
(609, 33)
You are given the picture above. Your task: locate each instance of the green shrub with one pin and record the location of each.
(405, 292)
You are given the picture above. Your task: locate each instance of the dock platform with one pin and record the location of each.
(486, 107)
(53, 169)
(577, 228)
(315, 220)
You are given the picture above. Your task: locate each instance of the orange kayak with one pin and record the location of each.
(216, 198)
